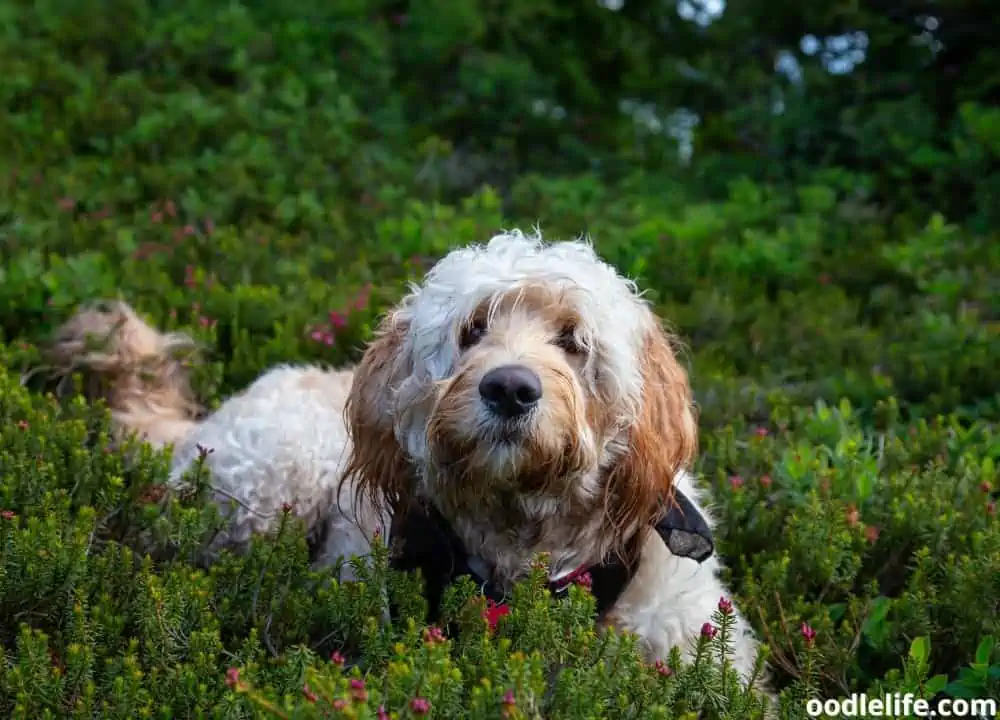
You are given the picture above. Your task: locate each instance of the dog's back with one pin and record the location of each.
(279, 446)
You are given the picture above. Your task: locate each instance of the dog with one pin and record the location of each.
(523, 399)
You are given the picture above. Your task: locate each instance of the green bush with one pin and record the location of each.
(268, 176)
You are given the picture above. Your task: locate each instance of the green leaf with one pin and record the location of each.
(864, 484)
(874, 627)
(836, 611)
(964, 689)
(920, 649)
(985, 650)
(936, 684)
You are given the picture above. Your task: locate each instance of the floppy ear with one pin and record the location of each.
(662, 441)
(377, 463)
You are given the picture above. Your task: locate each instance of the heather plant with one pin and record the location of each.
(268, 177)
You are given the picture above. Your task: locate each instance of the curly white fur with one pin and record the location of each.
(281, 444)
(278, 446)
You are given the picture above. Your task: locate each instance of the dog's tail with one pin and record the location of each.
(139, 371)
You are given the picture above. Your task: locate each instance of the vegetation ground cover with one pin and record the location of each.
(268, 176)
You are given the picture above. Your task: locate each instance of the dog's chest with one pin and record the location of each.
(505, 554)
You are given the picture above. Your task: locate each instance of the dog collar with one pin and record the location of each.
(421, 538)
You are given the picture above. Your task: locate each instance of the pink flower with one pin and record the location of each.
(709, 631)
(233, 677)
(508, 698)
(382, 714)
(663, 669)
(433, 636)
(337, 659)
(725, 606)
(985, 486)
(761, 432)
(736, 481)
(420, 706)
(8, 514)
(339, 704)
(358, 689)
(338, 319)
(310, 695)
(765, 481)
(871, 534)
(808, 634)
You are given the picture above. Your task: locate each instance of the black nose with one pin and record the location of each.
(510, 390)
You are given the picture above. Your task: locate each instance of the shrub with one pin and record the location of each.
(268, 177)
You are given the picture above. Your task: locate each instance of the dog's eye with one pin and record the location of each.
(568, 342)
(472, 334)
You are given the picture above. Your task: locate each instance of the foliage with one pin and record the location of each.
(268, 176)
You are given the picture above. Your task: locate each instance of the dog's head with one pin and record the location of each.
(523, 380)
